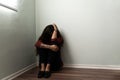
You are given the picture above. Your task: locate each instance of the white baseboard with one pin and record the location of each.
(16, 74)
(92, 66)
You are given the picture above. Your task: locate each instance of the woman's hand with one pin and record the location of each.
(54, 48)
(55, 27)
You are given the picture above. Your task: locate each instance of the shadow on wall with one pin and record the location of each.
(65, 52)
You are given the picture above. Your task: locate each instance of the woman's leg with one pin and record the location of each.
(42, 67)
(50, 59)
(43, 53)
(54, 61)
(47, 67)
(42, 61)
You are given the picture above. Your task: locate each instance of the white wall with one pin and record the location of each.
(17, 38)
(91, 29)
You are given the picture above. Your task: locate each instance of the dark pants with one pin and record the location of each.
(47, 56)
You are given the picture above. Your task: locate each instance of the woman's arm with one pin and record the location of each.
(58, 40)
(51, 47)
(40, 44)
(54, 35)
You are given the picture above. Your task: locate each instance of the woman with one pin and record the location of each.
(48, 47)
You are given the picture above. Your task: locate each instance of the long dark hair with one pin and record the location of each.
(47, 34)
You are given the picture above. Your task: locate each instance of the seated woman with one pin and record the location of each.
(48, 48)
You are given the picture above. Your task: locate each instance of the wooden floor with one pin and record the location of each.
(74, 74)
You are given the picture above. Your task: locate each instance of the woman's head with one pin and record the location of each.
(48, 30)
(47, 33)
